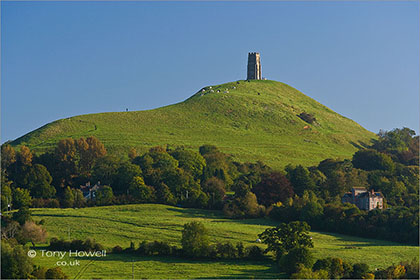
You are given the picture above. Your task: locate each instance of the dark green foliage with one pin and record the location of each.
(140, 192)
(194, 239)
(272, 188)
(297, 256)
(360, 270)
(300, 179)
(372, 160)
(104, 196)
(285, 237)
(68, 198)
(21, 198)
(22, 215)
(243, 207)
(190, 161)
(80, 245)
(215, 189)
(125, 175)
(38, 181)
(15, 263)
(55, 273)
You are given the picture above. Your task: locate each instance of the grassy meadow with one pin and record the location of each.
(255, 120)
(118, 225)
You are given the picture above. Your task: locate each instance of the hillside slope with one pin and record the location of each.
(252, 120)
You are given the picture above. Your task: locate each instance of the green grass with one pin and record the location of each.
(255, 121)
(118, 225)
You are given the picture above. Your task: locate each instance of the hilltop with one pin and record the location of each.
(251, 120)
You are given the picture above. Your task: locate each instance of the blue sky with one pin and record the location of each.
(61, 59)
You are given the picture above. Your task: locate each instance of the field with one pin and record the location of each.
(255, 120)
(118, 225)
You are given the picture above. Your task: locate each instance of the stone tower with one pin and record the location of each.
(254, 66)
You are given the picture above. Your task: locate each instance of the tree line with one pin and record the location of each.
(211, 179)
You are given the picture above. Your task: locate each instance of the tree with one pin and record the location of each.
(38, 180)
(286, 237)
(89, 150)
(132, 153)
(274, 187)
(164, 194)
(104, 196)
(307, 273)
(194, 239)
(360, 270)
(190, 161)
(33, 233)
(79, 199)
(297, 256)
(372, 160)
(300, 179)
(8, 156)
(140, 191)
(215, 188)
(125, 174)
(243, 207)
(68, 198)
(23, 215)
(15, 263)
(55, 273)
(25, 156)
(21, 198)
(65, 155)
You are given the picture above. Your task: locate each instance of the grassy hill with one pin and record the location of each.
(118, 225)
(252, 120)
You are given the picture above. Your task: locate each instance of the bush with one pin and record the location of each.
(117, 249)
(55, 273)
(254, 252)
(309, 118)
(194, 239)
(62, 245)
(297, 256)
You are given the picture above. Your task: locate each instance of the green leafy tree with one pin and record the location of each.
(300, 179)
(21, 198)
(194, 239)
(373, 160)
(244, 207)
(68, 198)
(286, 237)
(140, 191)
(215, 189)
(104, 196)
(297, 256)
(15, 263)
(360, 270)
(79, 199)
(125, 175)
(38, 180)
(22, 216)
(190, 161)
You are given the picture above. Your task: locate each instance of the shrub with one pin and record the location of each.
(297, 256)
(309, 118)
(254, 252)
(194, 239)
(117, 249)
(55, 273)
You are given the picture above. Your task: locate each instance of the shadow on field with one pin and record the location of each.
(270, 272)
(220, 218)
(355, 241)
